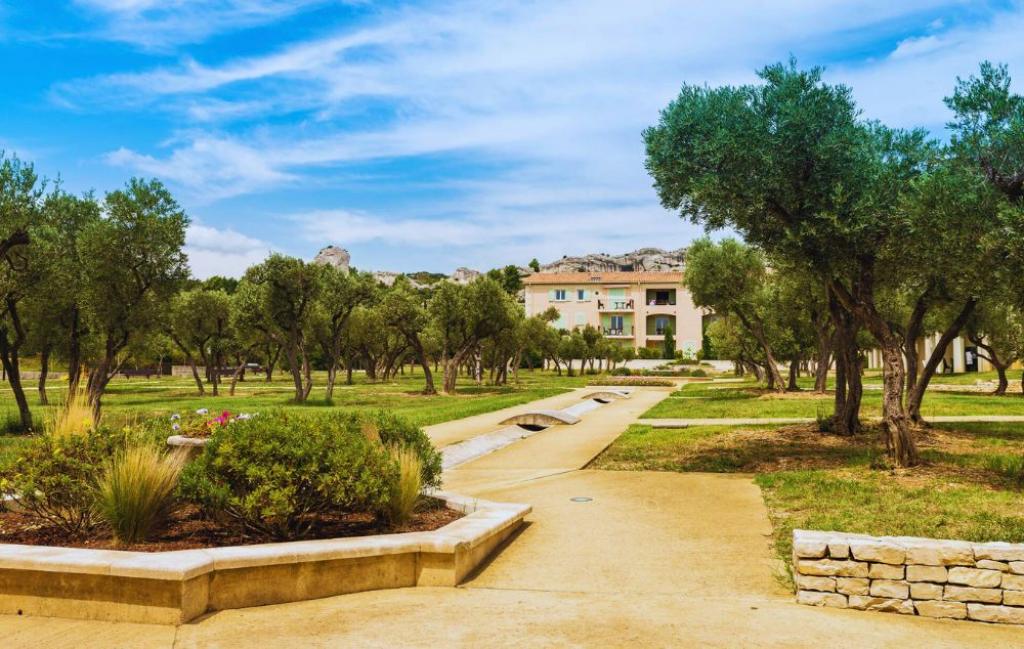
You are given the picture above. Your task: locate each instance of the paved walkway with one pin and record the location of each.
(668, 422)
(652, 559)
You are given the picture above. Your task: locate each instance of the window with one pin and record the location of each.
(616, 328)
(581, 294)
(660, 324)
(559, 294)
(581, 319)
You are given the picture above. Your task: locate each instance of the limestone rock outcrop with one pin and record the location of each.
(333, 256)
(644, 259)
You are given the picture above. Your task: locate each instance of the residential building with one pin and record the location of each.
(961, 355)
(635, 308)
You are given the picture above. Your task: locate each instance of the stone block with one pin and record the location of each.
(999, 551)
(989, 564)
(815, 598)
(852, 585)
(904, 606)
(924, 590)
(1013, 597)
(889, 589)
(885, 571)
(968, 594)
(808, 582)
(975, 577)
(936, 574)
(1013, 582)
(1002, 614)
(877, 551)
(809, 546)
(1016, 567)
(832, 568)
(953, 610)
(839, 549)
(933, 552)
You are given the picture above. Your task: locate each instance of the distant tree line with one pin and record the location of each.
(98, 286)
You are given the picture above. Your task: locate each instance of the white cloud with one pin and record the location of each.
(906, 88)
(213, 251)
(158, 24)
(551, 97)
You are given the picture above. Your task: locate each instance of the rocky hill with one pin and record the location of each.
(644, 259)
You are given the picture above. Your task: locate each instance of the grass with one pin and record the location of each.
(405, 493)
(968, 487)
(697, 400)
(130, 400)
(136, 489)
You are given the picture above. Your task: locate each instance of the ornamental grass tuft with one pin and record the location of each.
(136, 491)
(405, 492)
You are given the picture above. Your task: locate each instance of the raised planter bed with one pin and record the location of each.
(175, 587)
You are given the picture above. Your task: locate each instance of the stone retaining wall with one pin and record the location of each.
(912, 576)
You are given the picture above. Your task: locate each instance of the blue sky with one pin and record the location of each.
(426, 136)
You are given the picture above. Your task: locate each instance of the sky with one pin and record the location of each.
(432, 135)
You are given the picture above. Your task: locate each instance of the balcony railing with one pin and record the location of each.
(615, 305)
(661, 303)
(609, 331)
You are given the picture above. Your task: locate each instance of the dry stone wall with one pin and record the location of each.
(912, 576)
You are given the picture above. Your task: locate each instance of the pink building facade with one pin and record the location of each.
(635, 308)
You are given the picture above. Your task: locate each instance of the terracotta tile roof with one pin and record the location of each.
(638, 277)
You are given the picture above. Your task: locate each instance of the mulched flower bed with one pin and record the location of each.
(188, 529)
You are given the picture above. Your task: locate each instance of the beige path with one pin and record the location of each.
(654, 559)
(668, 422)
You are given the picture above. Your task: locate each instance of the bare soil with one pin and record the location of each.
(188, 529)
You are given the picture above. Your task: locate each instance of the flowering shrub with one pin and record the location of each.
(200, 424)
(54, 479)
(275, 473)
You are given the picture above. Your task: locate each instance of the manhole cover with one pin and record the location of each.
(581, 499)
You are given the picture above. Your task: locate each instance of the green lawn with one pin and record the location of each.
(132, 399)
(969, 486)
(704, 400)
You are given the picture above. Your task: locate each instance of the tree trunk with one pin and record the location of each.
(421, 357)
(755, 328)
(332, 374)
(451, 371)
(74, 352)
(1003, 382)
(824, 360)
(849, 387)
(990, 355)
(44, 369)
(238, 373)
(915, 329)
(11, 364)
(794, 372)
(898, 441)
(195, 375)
(916, 395)
(296, 371)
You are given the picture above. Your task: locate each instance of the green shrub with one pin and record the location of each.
(54, 478)
(277, 472)
(621, 371)
(405, 492)
(136, 490)
(398, 431)
(698, 372)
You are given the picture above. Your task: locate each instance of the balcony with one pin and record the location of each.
(625, 332)
(615, 305)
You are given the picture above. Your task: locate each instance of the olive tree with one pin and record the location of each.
(788, 164)
(132, 262)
